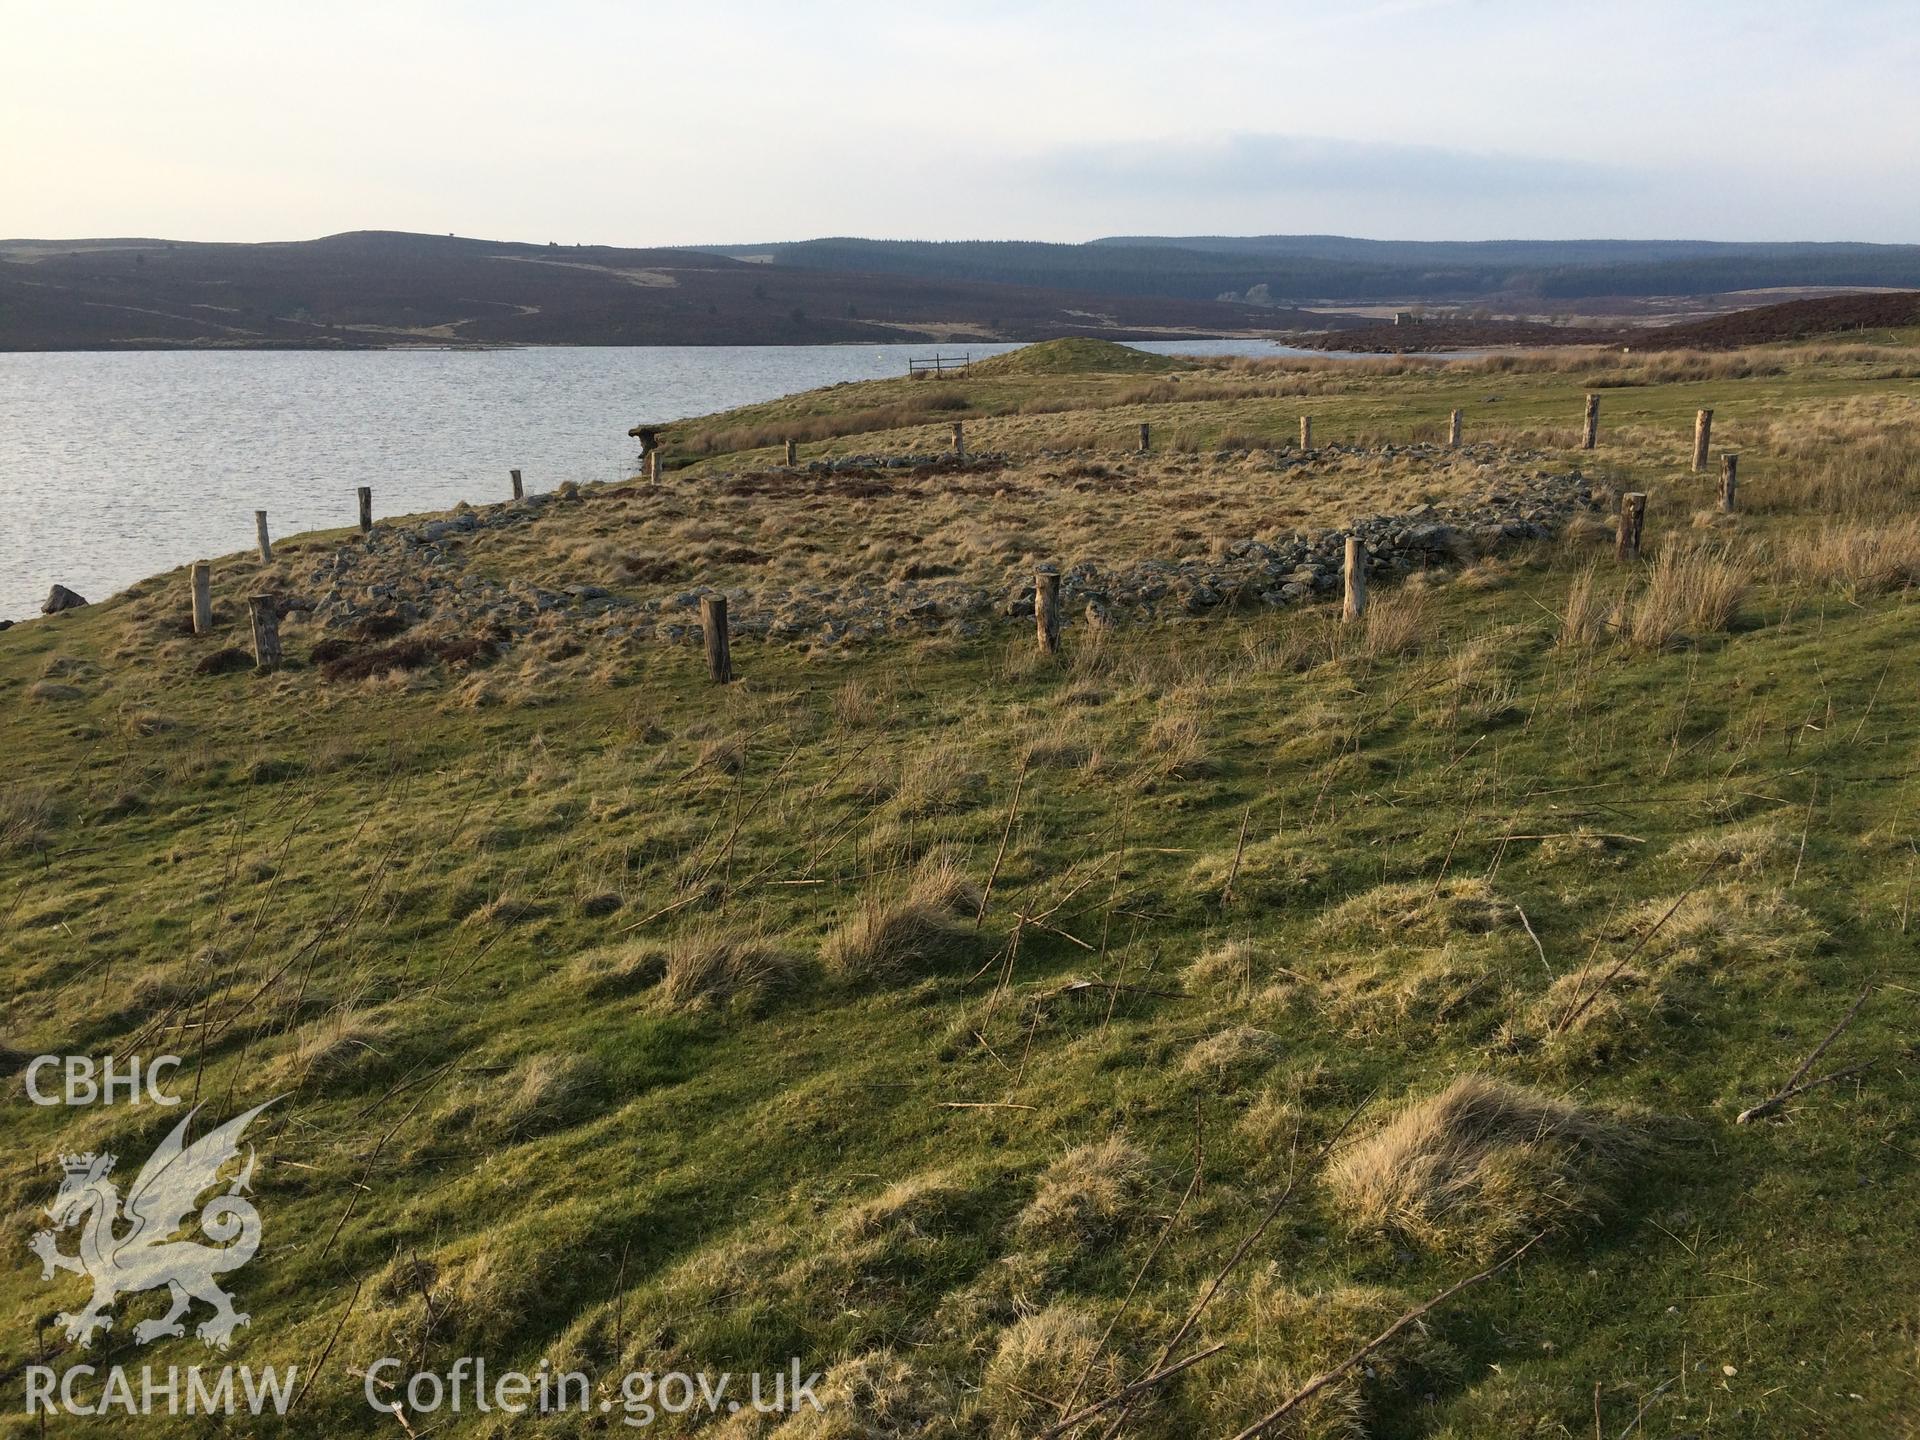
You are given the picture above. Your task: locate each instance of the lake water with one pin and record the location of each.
(115, 466)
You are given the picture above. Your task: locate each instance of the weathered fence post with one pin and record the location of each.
(1046, 610)
(265, 611)
(793, 453)
(1702, 436)
(1356, 573)
(1453, 429)
(1633, 516)
(1590, 432)
(1729, 482)
(200, 576)
(1146, 434)
(713, 624)
(1306, 432)
(519, 490)
(260, 534)
(653, 467)
(366, 509)
(959, 441)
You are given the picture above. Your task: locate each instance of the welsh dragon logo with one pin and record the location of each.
(145, 1255)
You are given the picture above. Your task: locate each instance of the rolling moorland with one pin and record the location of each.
(381, 288)
(993, 1029)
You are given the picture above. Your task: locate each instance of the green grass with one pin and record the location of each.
(386, 905)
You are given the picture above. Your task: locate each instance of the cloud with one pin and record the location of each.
(1248, 165)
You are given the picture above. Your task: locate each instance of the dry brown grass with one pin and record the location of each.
(706, 965)
(1728, 924)
(1861, 559)
(1688, 593)
(342, 1041)
(28, 815)
(1089, 1194)
(1584, 620)
(1738, 849)
(539, 1095)
(1420, 910)
(1041, 1359)
(1398, 622)
(928, 925)
(1231, 1055)
(1478, 1165)
(1301, 1333)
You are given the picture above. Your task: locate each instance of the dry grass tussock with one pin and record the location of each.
(1739, 849)
(877, 1395)
(1728, 924)
(1688, 593)
(707, 965)
(541, 1094)
(344, 1040)
(1587, 617)
(1091, 1193)
(1420, 910)
(1040, 1360)
(1375, 992)
(1479, 1165)
(28, 816)
(1231, 1055)
(925, 926)
(617, 969)
(1398, 622)
(1304, 1332)
(1858, 558)
(1264, 872)
(1588, 1016)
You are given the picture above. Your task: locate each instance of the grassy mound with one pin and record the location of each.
(1077, 356)
(1477, 1166)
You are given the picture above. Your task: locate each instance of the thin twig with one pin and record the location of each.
(1013, 809)
(1793, 1086)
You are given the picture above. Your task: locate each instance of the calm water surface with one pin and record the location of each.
(114, 466)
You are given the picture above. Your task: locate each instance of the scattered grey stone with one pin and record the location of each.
(61, 598)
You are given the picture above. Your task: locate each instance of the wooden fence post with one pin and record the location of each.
(1356, 573)
(793, 453)
(1454, 423)
(200, 576)
(1702, 436)
(1633, 516)
(366, 509)
(1729, 481)
(1306, 432)
(959, 441)
(266, 631)
(260, 534)
(1146, 432)
(1590, 432)
(653, 466)
(713, 624)
(1046, 610)
(519, 490)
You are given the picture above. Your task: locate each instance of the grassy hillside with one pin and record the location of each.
(991, 1030)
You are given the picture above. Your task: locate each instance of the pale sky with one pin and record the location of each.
(741, 120)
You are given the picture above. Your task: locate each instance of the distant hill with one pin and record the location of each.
(1838, 316)
(378, 288)
(1334, 269)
